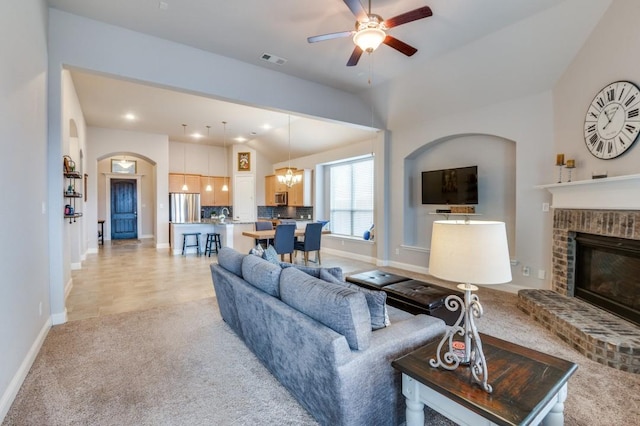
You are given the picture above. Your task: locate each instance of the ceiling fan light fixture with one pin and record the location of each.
(368, 39)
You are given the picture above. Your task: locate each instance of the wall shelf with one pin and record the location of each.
(612, 193)
(446, 215)
(70, 190)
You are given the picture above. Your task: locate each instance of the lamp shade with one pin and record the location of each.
(474, 252)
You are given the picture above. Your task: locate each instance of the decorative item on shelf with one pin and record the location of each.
(463, 209)
(288, 178)
(570, 165)
(560, 164)
(483, 250)
(69, 164)
(600, 174)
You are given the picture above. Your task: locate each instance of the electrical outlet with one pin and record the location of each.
(342, 242)
(545, 207)
(526, 271)
(397, 251)
(541, 274)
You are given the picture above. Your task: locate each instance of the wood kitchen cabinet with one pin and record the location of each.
(271, 186)
(176, 180)
(215, 197)
(300, 193)
(270, 190)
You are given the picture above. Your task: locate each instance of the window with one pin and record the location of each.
(351, 197)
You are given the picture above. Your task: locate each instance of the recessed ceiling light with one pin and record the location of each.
(266, 126)
(196, 135)
(163, 5)
(240, 139)
(130, 116)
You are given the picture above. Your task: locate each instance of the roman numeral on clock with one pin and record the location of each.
(630, 100)
(611, 95)
(632, 113)
(600, 102)
(630, 128)
(591, 128)
(593, 139)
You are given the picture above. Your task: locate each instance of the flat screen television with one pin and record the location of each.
(450, 186)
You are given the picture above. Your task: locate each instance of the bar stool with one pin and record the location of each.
(213, 243)
(196, 244)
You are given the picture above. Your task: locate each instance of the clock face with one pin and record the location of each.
(612, 122)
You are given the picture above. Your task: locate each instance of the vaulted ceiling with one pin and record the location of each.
(248, 29)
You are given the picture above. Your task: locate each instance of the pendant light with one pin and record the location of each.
(225, 186)
(208, 188)
(184, 160)
(289, 179)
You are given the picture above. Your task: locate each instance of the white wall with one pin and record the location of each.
(91, 45)
(24, 211)
(609, 54)
(529, 123)
(153, 148)
(495, 158)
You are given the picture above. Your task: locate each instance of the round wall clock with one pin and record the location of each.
(612, 122)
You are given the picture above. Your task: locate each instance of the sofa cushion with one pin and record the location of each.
(314, 271)
(231, 260)
(262, 274)
(342, 309)
(376, 301)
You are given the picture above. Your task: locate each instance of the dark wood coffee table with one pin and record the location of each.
(528, 386)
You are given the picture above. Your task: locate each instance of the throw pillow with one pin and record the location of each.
(271, 255)
(315, 271)
(376, 301)
(257, 250)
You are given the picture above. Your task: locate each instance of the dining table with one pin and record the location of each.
(270, 234)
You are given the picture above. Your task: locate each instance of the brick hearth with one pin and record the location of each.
(595, 333)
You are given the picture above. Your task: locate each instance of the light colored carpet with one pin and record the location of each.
(181, 365)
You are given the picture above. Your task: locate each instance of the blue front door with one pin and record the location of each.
(124, 217)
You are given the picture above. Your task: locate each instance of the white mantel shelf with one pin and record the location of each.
(613, 193)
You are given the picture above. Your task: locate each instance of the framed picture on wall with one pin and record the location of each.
(244, 161)
(123, 166)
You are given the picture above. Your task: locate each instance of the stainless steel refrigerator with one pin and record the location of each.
(184, 208)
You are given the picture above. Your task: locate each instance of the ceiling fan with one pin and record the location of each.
(371, 30)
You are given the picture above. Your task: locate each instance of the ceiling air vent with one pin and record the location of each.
(273, 59)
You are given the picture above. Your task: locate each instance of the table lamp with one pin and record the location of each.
(467, 252)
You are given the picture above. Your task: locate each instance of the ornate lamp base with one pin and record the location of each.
(473, 355)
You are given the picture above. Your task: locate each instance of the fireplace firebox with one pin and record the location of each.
(607, 274)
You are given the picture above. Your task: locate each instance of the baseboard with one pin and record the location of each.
(409, 267)
(67, 288)
(92, 251)
(14, 386)
(76, 266)
(61, 318)
(348, 254)
(163, 246)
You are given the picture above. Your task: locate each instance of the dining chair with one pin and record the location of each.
(311, 242)
(283, 241)
(263, 225)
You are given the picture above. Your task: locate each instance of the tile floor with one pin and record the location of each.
(132, 275)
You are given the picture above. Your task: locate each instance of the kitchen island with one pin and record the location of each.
(230, 234)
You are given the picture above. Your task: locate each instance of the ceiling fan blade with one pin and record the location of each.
(413, 15)
(400, 46)
(355, 57)
(357, 9)
(330, 36)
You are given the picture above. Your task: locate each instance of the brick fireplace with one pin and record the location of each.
(610, 208)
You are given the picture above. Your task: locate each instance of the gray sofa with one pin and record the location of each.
(288, 317)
